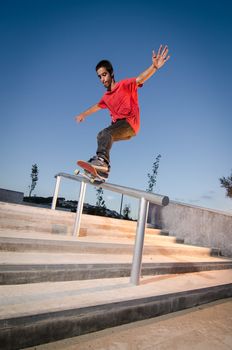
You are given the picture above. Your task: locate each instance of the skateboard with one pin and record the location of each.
(90, 173)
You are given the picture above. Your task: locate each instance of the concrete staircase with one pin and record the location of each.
(55, 286)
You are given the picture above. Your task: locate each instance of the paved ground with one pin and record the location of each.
(207, 327)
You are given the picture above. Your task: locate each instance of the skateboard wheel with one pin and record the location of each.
(92, 181)
(76, 172)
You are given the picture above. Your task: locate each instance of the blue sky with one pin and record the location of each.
(49, 50)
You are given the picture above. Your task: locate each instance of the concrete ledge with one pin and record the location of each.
(195, 225)
(11, 196)
(22, 274)
(25, 331)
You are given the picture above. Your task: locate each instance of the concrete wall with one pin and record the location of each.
(11, 196)
(197, 226)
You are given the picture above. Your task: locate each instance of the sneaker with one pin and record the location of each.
(99, 164)
(103, 175)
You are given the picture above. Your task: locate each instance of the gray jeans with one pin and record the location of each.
(118, 131)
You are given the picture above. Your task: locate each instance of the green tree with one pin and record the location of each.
(100, 201)
(226, 182)
(34, 178)
(153, 175)
(126, 212)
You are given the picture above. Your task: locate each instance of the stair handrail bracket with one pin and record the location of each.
(144, 197)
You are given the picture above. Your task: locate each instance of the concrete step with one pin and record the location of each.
(49, 258)
(35, 273)
(30, 213)
(97, 235)
(122, 234)
(38, 313)
(91, 245)
(34, 266)
(26, 218)
(85, 230)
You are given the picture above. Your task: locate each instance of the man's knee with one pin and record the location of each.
(104, 135)
(100, 135)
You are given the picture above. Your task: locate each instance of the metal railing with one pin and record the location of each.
(144, 197)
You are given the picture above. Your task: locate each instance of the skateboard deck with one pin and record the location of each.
(89, 172)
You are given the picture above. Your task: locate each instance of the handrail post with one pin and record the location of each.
(138, 248)
(56, 192)
(77, 224)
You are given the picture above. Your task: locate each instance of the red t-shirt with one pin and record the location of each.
(122, 102)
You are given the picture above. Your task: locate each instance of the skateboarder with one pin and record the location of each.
(121, 99)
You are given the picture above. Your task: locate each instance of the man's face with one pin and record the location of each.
(105, 77)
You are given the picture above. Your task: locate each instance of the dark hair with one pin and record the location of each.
(107, 65)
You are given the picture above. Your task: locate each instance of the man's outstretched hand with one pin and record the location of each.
(79, 118)
(161, 57)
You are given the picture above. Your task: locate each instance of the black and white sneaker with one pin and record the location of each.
(99, 164)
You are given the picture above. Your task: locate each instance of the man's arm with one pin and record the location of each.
(81, 117)
(158, 60)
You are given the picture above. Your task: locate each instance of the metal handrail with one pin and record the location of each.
(145, 199)
(151, 197)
